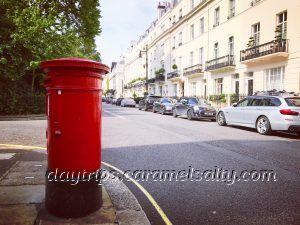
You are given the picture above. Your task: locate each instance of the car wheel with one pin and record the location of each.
(145, 108)
(140, 108)
(263, 125)
(174, 113)
(153, 110)
(189, 115)
(221, 119)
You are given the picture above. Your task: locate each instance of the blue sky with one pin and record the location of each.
(123, 21)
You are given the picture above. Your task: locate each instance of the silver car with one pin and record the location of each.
(128, 102)
(264, 113)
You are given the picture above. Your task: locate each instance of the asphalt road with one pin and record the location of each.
(138, 140)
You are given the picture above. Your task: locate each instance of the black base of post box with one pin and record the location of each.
(72, 201)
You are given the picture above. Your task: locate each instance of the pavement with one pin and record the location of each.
(22, 193)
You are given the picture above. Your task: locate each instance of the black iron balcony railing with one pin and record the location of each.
(173, 74)
(221, 62)
(160, 77)
(192, 70)
(151, 80)
(140, 83)
(264, 49)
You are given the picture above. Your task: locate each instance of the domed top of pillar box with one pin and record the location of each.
(74, 73)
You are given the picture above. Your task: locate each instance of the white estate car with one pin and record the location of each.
(264, 113)
(128, 102)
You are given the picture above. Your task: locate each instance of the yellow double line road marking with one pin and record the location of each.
(146, 193)
(142, 189)
(22, 146)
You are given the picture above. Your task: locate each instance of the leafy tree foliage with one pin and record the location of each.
(32, 31)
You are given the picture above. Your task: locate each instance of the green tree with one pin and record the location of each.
(32, 31)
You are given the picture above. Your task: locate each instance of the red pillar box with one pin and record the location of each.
(73, 106)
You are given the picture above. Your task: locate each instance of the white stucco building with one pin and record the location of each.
(210, 47)
(114, 81)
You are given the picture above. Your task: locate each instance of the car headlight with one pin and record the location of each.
(196, 108)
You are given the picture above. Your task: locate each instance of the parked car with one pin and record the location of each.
(147, 102)
(119, 100)
(113, 101)
(264, 113)
(108, 100)
(163, 105)
(128, 102)
(194, 108)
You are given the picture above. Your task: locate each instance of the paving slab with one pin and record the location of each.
(5, 156)
(25, 173)
(23, 214)
(104, 216)
(26, 194)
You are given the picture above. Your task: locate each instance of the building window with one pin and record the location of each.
(191, 58)
(192, 32)
(162, 49)
(180, 39)
(231, 12)
(231, 46)
(216, 50)
(174, 62)
(160, 88)
(219, 86)
(256, 33)
(175, 90)
(217, 17)
(174, 42)
(202, 25)
(180, 13)
(237, 87)
(162, 28)
(179, 63)
(193, 89)
(274, 79)
(282, 24)
(201, 56)
(192, 4)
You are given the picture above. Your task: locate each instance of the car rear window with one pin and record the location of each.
(166, 100)
(153, 97)
(293, 101)
(193, 101)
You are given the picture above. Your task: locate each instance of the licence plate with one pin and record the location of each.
(208, 114)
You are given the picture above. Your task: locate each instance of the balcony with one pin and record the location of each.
(173, 76)
(160, 78)
(193, 70)
(151, 81)
(269, 52)
(221, 64)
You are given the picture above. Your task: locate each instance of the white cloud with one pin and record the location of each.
(123, 21)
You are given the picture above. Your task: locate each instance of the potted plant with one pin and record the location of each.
(251, 42)
(174, 67)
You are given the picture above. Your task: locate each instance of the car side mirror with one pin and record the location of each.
(184, 102)
(235, 104)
